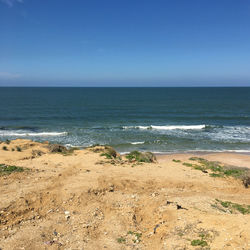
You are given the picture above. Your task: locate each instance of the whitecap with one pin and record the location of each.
(137, 142)
(168, 127)
(33, 134)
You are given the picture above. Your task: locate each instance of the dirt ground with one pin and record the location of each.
(82, 200)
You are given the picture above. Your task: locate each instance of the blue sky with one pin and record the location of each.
(125, 43)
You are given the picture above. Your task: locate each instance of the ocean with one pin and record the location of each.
(161, 120)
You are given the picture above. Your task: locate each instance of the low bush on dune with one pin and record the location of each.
(57, 148)
(199, 242)
(176, 161)
(246, 181)
(217, 169)
(105, 150)
(109, 152)
(141, 156)
(228, 206)
(7, 169)
(134, 156)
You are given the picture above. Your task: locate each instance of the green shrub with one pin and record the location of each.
(141, 157)
(108, 156)
(7, 169)
(109, 152)
(187, 164)
(215, 175)
(174, 160)
(246, 180)
(18, 149)
(244, 209)
(199, 242)
(57, 148)
(218, 170)
(5, 148)
(121, 240)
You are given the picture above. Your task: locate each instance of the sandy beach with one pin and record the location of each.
(82, 200)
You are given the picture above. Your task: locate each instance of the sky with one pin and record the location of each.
(125, 43)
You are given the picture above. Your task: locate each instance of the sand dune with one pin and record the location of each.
(82, 200)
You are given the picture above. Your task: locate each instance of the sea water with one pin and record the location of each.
(149, 119)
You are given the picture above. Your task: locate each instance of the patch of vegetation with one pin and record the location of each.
(7, 169)
(37, 153)
(196, 236)
(216, 175)
(131, 236)
(109, 152)
(174, 160)
(199, 242)
(216, 206)
(7, 141)
(137, 236)
(233, 172)
(197, 167)
(57, 148)
(108, 156)
(217, 169)
(141, 156)
(96, 148)
(246, 181)
(5, 148)
(121, 240)
(187, 164)
(18, 149)
(232, 207)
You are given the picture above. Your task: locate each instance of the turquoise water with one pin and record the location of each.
(155, 119)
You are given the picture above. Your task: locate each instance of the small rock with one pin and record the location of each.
(111, 188)
(49, 243)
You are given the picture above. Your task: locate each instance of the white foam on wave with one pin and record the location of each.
(137, 142)
(33, 134)
(68, 145)
(184, 127)
(167, 127)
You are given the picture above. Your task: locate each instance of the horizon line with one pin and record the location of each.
(125, 86)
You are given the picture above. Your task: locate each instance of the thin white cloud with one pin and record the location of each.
(7, 75)
(10, 3)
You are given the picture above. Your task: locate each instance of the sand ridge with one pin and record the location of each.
(84, 201)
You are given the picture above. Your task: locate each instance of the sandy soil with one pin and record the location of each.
(85, 201)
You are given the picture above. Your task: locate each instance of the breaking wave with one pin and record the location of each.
(169, 127)
(33, 134)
